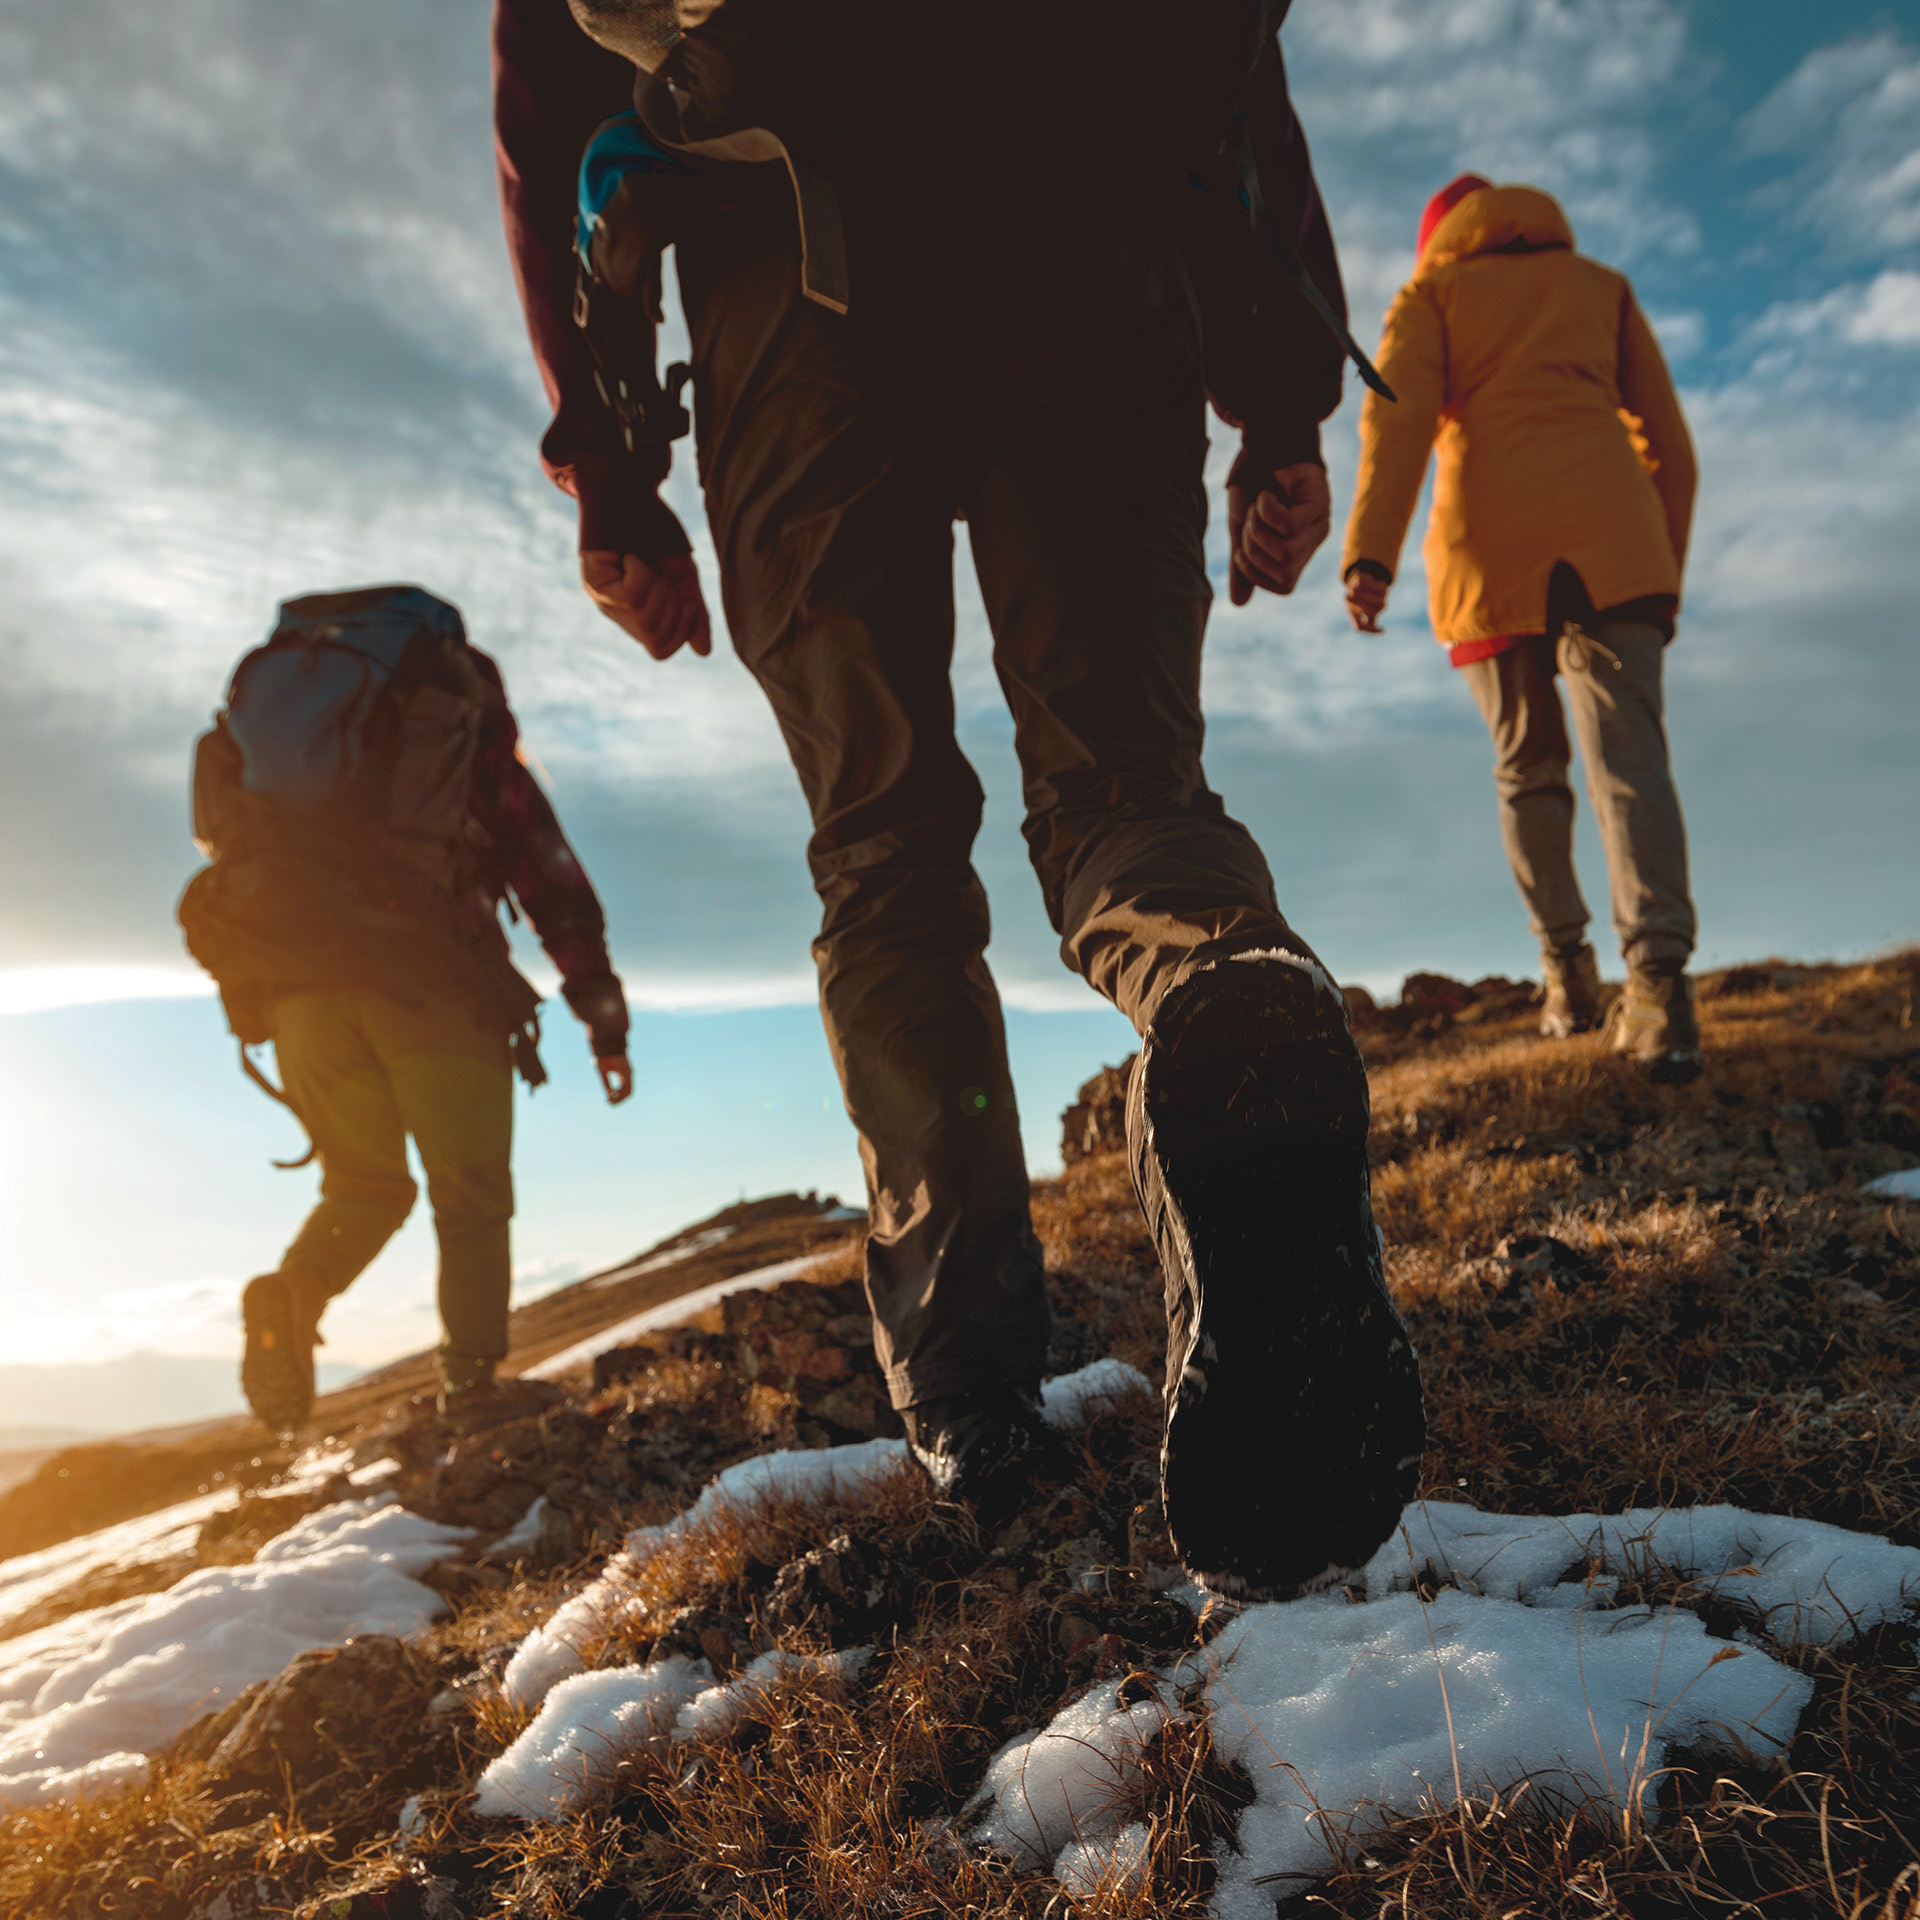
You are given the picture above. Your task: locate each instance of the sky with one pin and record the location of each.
(258, 337)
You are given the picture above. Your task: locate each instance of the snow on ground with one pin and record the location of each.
(1067, 1780)
(84, 1701)
(588, 1727)
(672, 1313)
(1519, 1670)
(525, 1532)
(682, 1249)
(29, 1578)
(1067, 1401)
(1904, 1185)
(595, 1723)
(557, 1647)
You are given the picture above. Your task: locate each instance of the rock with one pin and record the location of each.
(1364, 1011)
(1497, 998)
(332, 1706)
(1097, 1120)
(1425, 996)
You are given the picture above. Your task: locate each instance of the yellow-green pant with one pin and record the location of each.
(364, 1072)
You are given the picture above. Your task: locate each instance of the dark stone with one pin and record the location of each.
(1097, 1120)
(332, 1706)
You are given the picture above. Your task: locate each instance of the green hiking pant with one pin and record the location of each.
(364, 1072)
(1617, 714)
(1045, 386)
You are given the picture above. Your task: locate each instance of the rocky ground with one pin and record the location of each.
(1622, 1296)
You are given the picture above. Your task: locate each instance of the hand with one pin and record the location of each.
(1273, 534)
(661, 606)
(616, 1075)
(1366, 600)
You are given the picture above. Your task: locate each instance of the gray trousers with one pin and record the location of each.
(1623, 741)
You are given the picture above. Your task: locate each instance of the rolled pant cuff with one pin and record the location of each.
(912, 1389)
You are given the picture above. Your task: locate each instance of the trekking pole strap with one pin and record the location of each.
(1240, 152)
(266, 1086)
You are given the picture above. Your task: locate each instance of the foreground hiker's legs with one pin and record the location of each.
(836, 559)
(1293, 1418)
(1517, 698)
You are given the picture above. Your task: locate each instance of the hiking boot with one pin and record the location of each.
(1571, 979)
(282, 1326)
(981, 1448)
(1294, 1428)
(1654, 1023)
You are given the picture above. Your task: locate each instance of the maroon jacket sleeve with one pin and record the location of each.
(529, 858)
(552, 87)
(1271, 362)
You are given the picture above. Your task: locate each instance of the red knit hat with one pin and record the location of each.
(1444, 202)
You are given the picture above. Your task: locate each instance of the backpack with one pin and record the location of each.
(1140, 97)
(331, 797)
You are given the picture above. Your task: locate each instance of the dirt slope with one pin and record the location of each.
(1621, 1295)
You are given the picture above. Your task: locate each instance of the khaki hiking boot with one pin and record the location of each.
(282, 1324)
(1572, 983)
(1654, 1023)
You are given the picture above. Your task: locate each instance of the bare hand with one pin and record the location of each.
(1366, 600)
(660, 606)
(1273, 534)
(616, 1075)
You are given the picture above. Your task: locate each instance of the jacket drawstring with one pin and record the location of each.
(1581, 646)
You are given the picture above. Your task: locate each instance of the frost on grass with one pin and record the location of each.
(1092, 1869)
(558, 1647)
(84, 1701)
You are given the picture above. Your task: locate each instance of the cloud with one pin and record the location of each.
(1849, 115)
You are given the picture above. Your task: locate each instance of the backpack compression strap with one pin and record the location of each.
(266, 1086)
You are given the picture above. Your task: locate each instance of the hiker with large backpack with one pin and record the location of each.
(365, 812)
(940, 264)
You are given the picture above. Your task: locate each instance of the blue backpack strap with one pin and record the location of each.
(619, 147)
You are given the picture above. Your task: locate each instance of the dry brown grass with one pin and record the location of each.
(1732, 1321)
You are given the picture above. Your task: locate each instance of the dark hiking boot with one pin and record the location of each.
(982, 1448)
(1571, 980)
(1294, 1428)
(1654, 1023)
(282, 1326)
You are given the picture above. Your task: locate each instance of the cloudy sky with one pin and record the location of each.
(257, 336)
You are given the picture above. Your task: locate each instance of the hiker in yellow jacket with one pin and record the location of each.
(1561, 508)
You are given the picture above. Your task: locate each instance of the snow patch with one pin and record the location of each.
(525, 1532)
(1068, 1781)
(589, 1728)
(1067, 1401)
(684, 1248)
(558, 1646)
(1089, 1869)
(1806, 1583)
(1346, 1715)
(719, 1710)
(84, 1701)
(671, 1313)
(1904, 1185)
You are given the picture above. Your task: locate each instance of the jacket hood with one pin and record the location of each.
(1494, 218)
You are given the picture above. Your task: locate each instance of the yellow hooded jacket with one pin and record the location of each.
(1560, 436)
